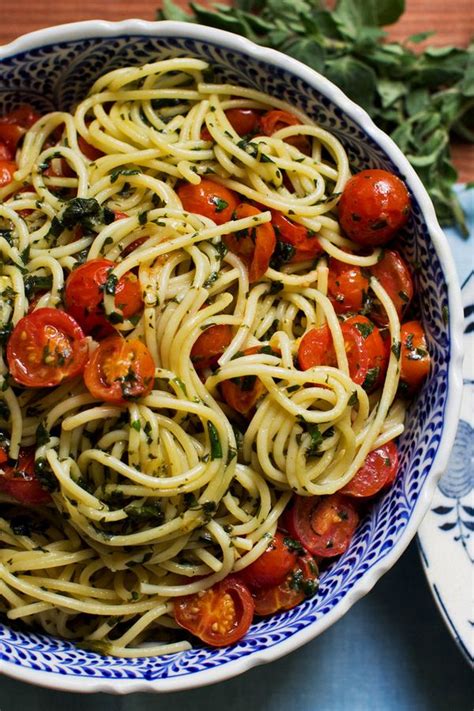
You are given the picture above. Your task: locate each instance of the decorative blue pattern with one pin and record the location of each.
(57, 76)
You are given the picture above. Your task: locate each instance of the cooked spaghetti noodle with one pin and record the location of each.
(166, 495)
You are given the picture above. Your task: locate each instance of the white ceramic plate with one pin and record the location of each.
(446, 536)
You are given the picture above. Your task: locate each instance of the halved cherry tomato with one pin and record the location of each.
(119, 370)
(243, 393)
(20, 481)
(89, 151)
(347, 286)
(120, 215)
(374, 205)
(415, 359)
(276, 119)
(45, 348)
(272, 567)
(243, 121)
(210, 345)
(366, 351)
(220, 615)
(300, 583)
(15, 124)
(303, 240)
(7, 169)
(84, 294)
(378, 472)
(394, 275)
(255, 245)
(324, 525)
(209, 199)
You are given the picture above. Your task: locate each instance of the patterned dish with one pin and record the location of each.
(54, 68)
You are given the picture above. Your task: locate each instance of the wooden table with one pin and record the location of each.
(452, 21)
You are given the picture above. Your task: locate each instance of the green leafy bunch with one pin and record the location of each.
(419, 98)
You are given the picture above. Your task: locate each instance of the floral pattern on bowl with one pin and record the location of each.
(54, 68)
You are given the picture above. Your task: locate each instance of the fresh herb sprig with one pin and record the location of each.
(419, 98)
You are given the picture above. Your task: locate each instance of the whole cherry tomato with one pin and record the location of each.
(374, 206)
(20, 481)
(220, 615)
(348, 286)
(324, 525)
(244, 122)
(378, 472)
(272, 567)
(304, 241)
(209, 199)
(415, 359)
(84, 296)
(210, 345)
(254, 245)
(276, 119)
(394, 275)
(119, 371)
(88, 150)
(45, 348)
(300, 583)
(7, 169)
(14, 125)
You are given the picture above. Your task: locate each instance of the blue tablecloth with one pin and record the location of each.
(391, 652)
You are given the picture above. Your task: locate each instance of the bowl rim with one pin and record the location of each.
(90, 29)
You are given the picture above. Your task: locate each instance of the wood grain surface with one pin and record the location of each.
(453, 23)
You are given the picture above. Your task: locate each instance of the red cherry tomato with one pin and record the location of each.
(10, 134)
(365, 349)
(3, 455)
(14, 125)
(19, 480)
(255, 245)
(243, 121)
(378, 472)
(84, 295)
(374, 205)
(394, 275)
(209, 199)
(324, 525)
(415, 359)
(273, 566)
(243, 393)
(347, 286)
(5, 153)
(7, 169)
(89, 151)
(276, 119)
(210, 345)
(300, 583)
(220, 615)
(45, 348)
(133, 245)
(303, 240)
(120, 370)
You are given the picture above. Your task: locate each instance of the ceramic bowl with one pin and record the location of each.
(54, 68)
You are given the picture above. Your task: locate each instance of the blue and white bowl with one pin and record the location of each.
(54, 68)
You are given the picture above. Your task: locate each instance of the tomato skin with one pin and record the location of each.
(90, 152)
(365, 349)
(306, 244)
(210, 345)
(10, 134)
(347, 285)
(378, 472)
(19, 480)
(84, 295)
(119, 371)
(209, 199)
(24, 116)
(5, 153)
(415, 360)
(300, 583)
(324, 525)
(46, 348)
(276, 119)
(316, 348)
(254, 246)
(394, 275)
(7, 169)
(273, 566)
(374, 206)
(244, 121)
(220, 615)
